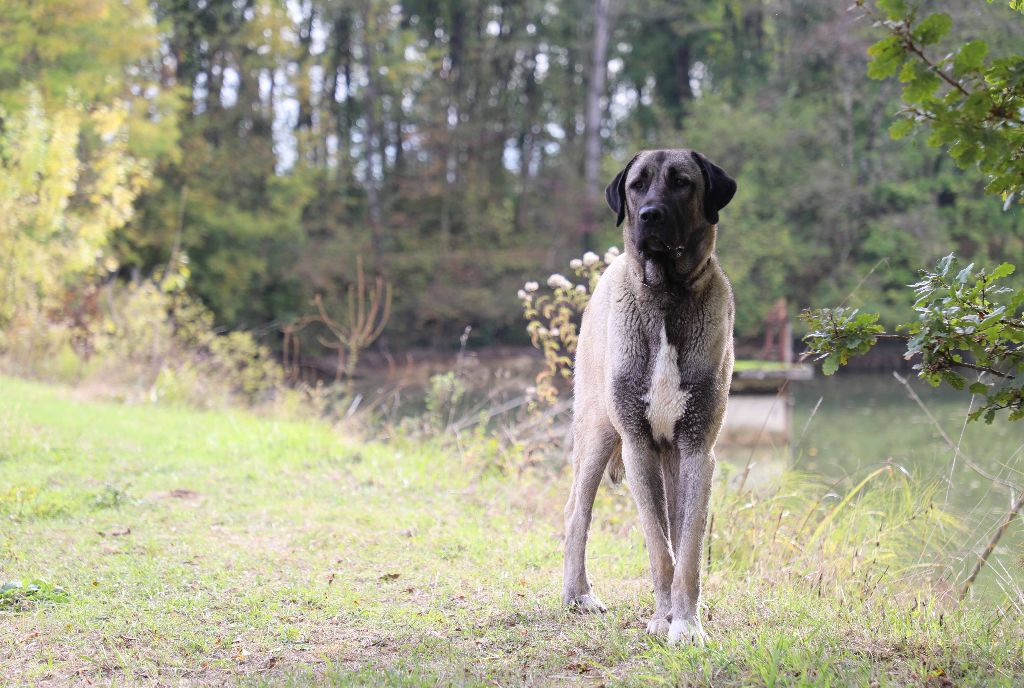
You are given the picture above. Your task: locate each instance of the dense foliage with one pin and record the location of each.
(970, 105)
(67, 183)
(457, 146)
(968, 319)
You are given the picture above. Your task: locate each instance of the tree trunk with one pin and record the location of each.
(681, 63)
(592, 123)
(372, 135)
(342, 107)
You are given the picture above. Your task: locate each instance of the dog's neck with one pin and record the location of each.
(682, 273)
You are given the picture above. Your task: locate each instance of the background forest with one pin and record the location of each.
(461, 147)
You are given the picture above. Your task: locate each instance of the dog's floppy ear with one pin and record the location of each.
(719, 187)
(615, 193)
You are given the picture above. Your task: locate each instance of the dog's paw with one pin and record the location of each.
(687, 631)
(585, 604)
(658, 626)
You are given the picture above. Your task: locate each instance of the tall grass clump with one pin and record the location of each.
(883, 533)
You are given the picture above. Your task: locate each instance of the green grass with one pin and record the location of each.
(743, 364)
(218, 547)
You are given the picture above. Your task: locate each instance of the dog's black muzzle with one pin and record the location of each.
(658, 237)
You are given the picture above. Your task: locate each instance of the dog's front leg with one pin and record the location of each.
(647, 483)
(593, 444)
(693, 494)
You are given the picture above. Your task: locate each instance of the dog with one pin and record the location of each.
(652, 372)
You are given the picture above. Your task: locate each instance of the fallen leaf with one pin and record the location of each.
(116, 531)
(390, 576)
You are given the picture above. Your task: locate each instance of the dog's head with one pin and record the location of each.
(669, 200)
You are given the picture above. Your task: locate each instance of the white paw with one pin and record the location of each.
(658, 627)
(585, 604)
(686, 631)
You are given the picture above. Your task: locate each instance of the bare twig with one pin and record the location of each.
(956, 452)
(1015, 506)
(366, 316)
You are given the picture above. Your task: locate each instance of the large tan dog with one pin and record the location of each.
(653, 367)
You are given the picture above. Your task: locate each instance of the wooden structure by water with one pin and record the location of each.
(769, 380)
(760, 412)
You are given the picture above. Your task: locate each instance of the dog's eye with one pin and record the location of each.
(637, 184)
(682, 182)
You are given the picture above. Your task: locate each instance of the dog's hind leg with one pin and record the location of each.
(593, 443)
(646, 478)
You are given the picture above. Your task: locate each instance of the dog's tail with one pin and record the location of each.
(616, 471)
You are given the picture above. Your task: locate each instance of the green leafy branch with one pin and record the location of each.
(970, 104)
(967, 319)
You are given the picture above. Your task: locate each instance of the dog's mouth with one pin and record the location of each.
(655, 247)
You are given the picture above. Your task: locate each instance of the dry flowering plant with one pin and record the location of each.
(553, 320)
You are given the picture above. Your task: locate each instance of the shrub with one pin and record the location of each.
(553, 319)
(155, 336)
(149, 337)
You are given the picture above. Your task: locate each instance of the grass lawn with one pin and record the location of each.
(177, 547)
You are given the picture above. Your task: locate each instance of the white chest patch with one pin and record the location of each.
(666, 402)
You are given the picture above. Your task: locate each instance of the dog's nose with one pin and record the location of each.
(651, 214)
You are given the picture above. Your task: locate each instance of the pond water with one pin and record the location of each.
(863, 420)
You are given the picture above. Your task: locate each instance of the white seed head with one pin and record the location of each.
(590, 258)
(557, 281)
(575, 263)
(522, 295)
(530, 287)
(554, 331)
(581, 288)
